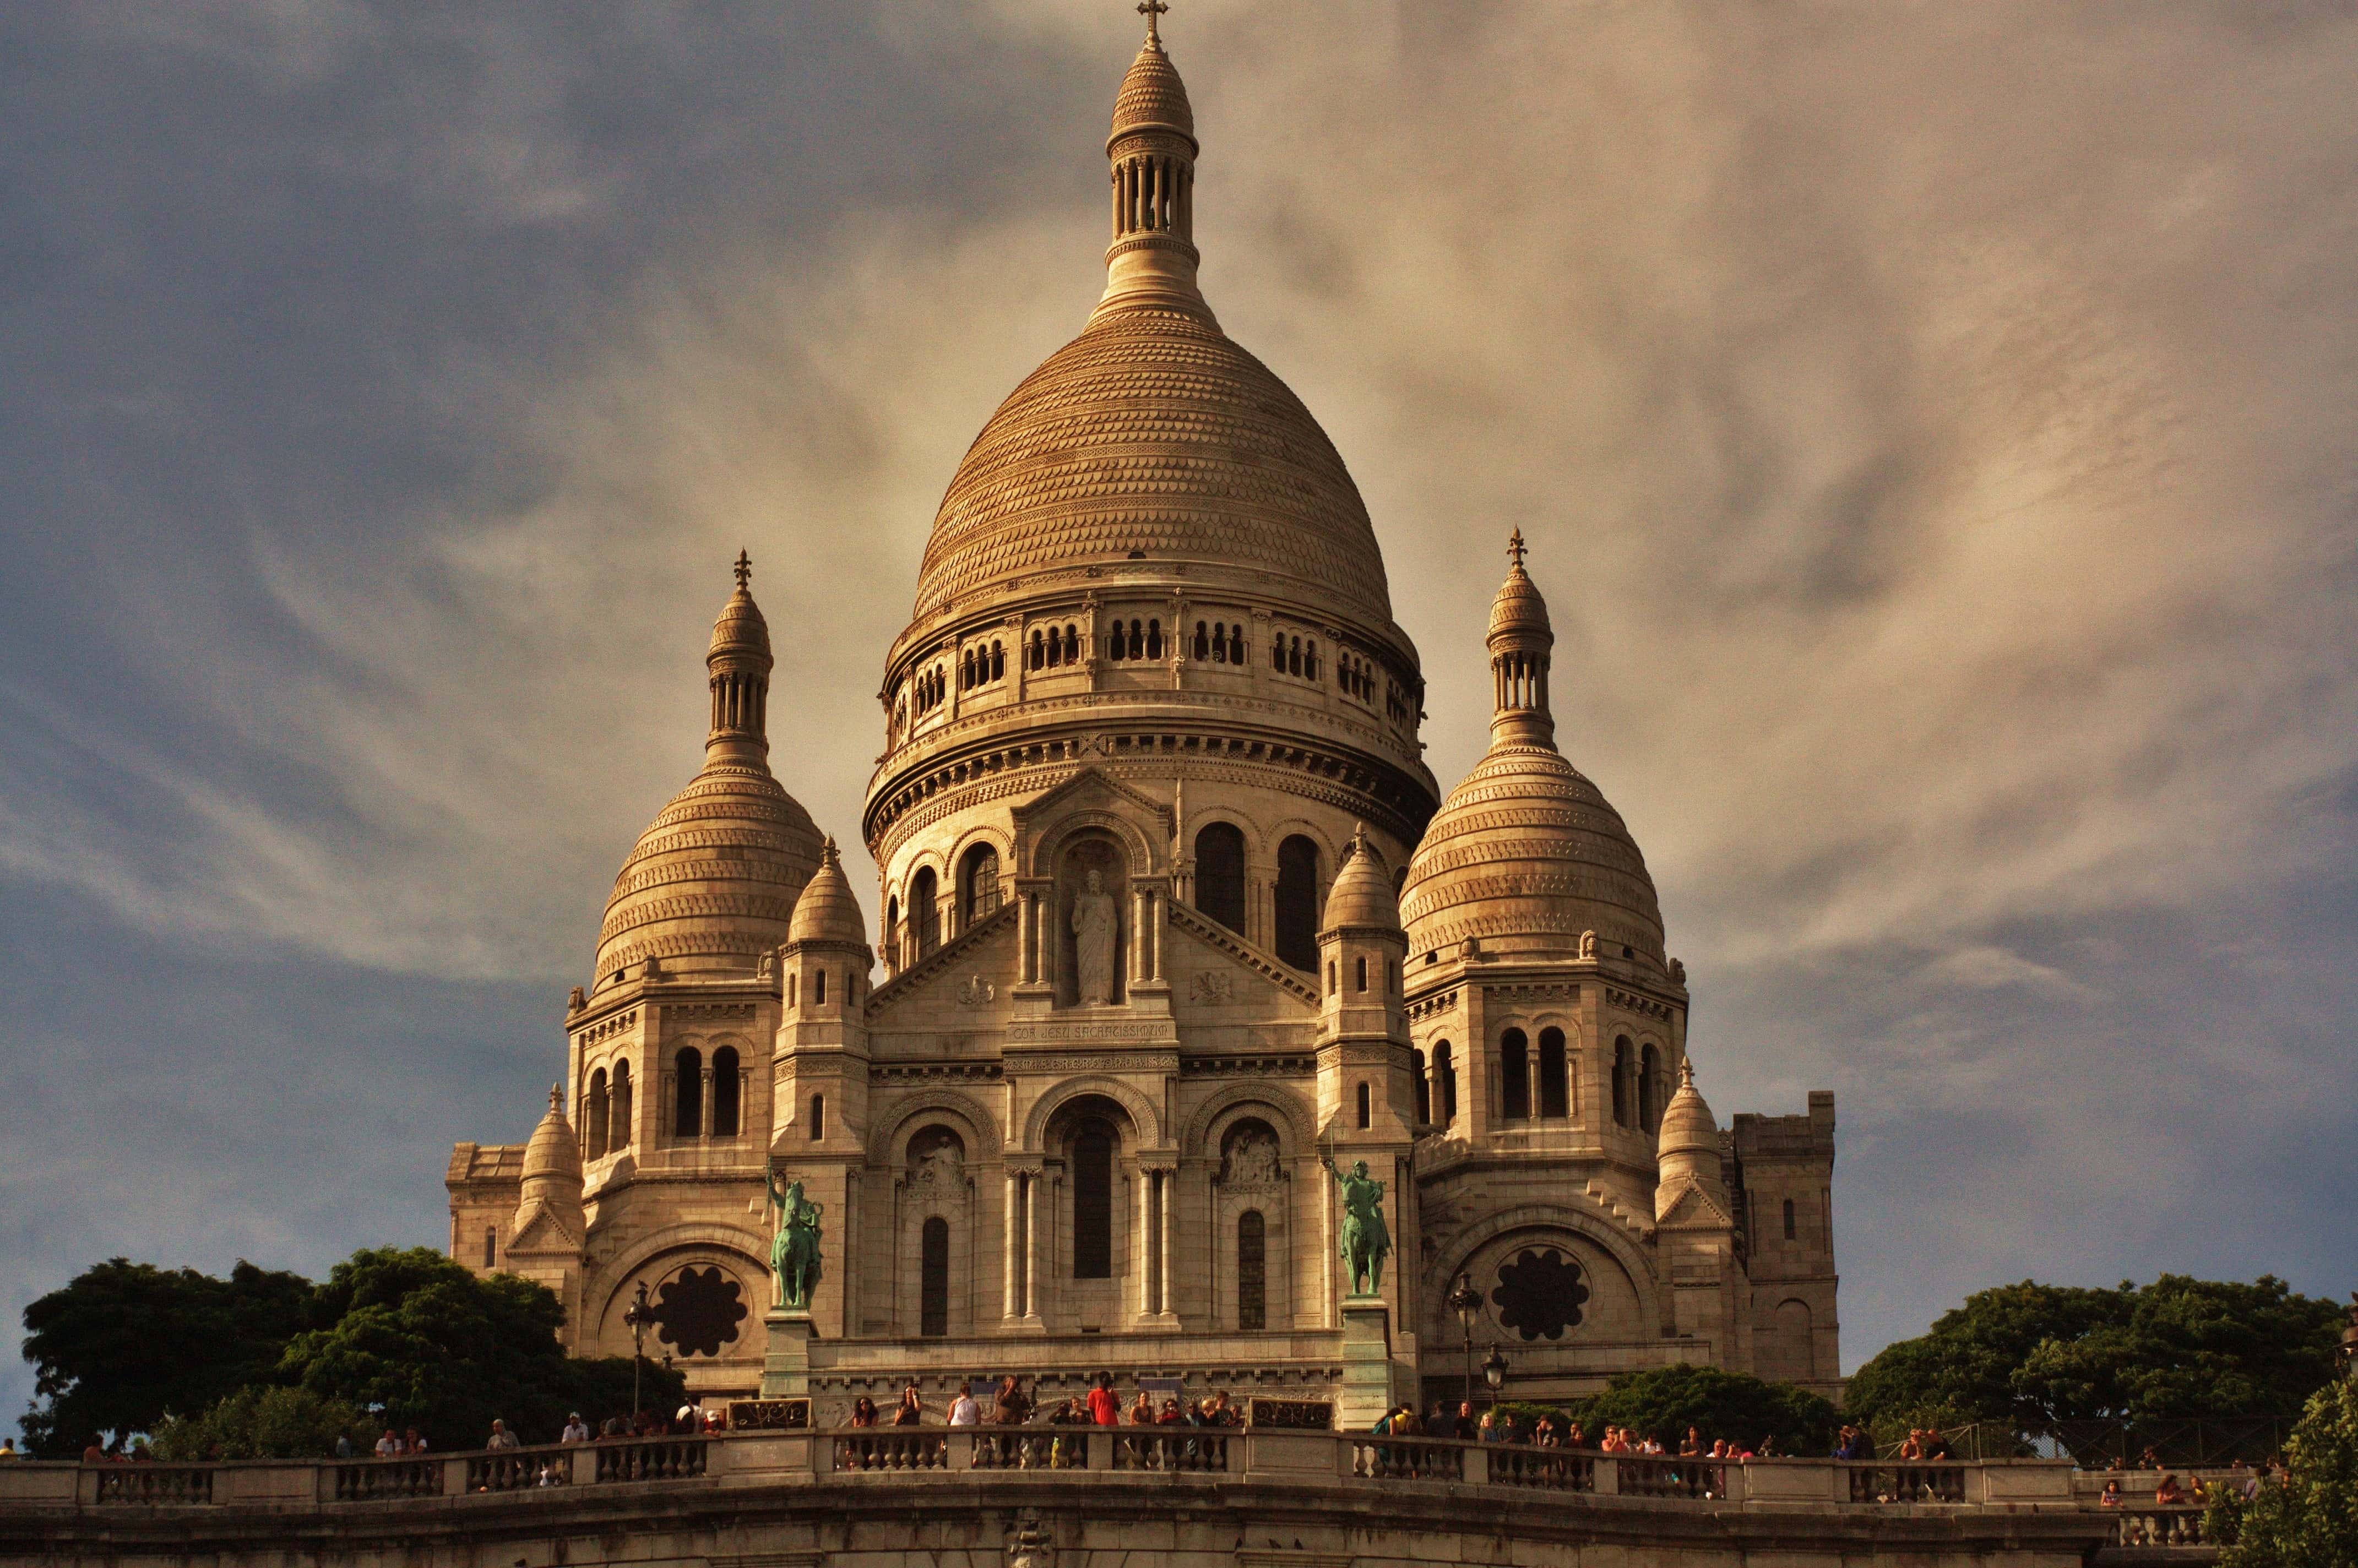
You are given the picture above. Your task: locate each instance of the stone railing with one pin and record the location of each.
(2158, 1524)
(924, 1455)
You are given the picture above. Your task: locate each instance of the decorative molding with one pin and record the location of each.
(1164, 1063)
(1211, 933)
(1645, 1006)
(935, 1072)
(940, 960)
(1296, 1065)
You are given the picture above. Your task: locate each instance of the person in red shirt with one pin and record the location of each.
(1104, 1408)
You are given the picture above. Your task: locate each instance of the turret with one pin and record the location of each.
(1361, 949)
(822, 1036)
(1687, 1152)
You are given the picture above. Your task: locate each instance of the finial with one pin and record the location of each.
(555, 1098)
(744, 568)
(1151, 10)
(1358, 838)
(1686, 1072)
(1515, 546)
(827, 852)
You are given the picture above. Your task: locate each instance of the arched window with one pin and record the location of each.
(1093, 1201)
(725, 1087)
(1310, 660)
(997, 661)
(1252, 1270)
(1330, 977)
(924, 912)
(593, 1117)
(1362, 984)
(687, 1093)
(792, 984)
(1649, 1091)
(1554, 1097)
(978, 884)
(1447, 1070)
(1203, 640)
(618, 1122)
(819, 988)
(491, 1249)
(933, 1279)
(1423, 1088)
(1237, 643)
(1277, 653)
(1789, 1220)
(1154, 639)
(1039, 657)
(1220, 874)
(1621, 1071)
(1072, 644)
(1297, 902)
(1293, 657)
(1514, 1075)
(817, 1118)
(1367, 1109)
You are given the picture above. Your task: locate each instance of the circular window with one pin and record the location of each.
(697, 1310)
(1539, 1293)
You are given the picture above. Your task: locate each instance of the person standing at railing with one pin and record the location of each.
(388, 1445)
(414, 1442)
(964, 1412)
(910, 1410)
(576, 1429)
(1105, 1409)
(501, 1436)
(863, 1411)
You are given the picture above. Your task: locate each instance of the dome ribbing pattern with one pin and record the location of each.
(1153, 432)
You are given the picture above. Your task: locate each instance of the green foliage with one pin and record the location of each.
(441, 1348)
(2308, 1517)
(124, 1344)
(2034, 1356)
(1743, 1409)
(259, 1423)
(406, 1337)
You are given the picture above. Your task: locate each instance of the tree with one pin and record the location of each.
(2035, 1356)
(125, 1344)
(263, 1422)
(436, 1346)
(2309, 1518)
(1743, 1409)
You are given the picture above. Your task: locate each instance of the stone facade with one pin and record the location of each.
(1171, 916)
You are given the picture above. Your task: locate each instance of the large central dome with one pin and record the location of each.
(1152, 432)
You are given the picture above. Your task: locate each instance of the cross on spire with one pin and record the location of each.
(1515, 548)
(744, 568)
(1151, 10)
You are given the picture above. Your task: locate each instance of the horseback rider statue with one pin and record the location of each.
(794, 1249)
(1366, 1242)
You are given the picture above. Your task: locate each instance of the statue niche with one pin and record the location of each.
(1092, 889)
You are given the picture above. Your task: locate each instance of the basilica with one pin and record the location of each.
(1172, 918)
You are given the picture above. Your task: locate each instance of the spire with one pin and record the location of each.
(737, 667)
(1520, 641)
(1151, 153)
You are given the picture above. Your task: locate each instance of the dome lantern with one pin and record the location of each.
(1151, 148)
(739, 664)
(1521, 642)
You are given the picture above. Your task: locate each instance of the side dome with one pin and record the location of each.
(1362, 894)
(552, 1153)
(827, 911)
(1687, 1125)
(1152, 435)
(1526, 854)
(711, 884)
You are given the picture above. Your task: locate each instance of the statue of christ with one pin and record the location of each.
(1095, 921)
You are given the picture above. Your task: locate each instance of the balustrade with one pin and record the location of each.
(365, 1480)
(1193, 1448)
(519, 1469)
(1549, 1469)
(1906, 1483)
(1408, 1459)
(2158, 1524)
(887, 1449)
(155, 1483)
(1650, 1475)
(656, 1459)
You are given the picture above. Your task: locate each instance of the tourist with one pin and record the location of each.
(1011, 1408)
(1141, 1413)
(414, 1442)
(2169, 1493)
(863, 1411)
(1855, 1444)
(911, 1409)
(1104, 1408)
(1223, 1412)
(1544, 1433)
(1937, 1448)
(1911, 1448)
(964, 1412)
(1693, 1448)
(1466, 1431)
(576, 1429)
(9, 1448)
(501, 1436)
(2110, 1496)
(1169, 1415)
(1573, 1435)
(388, 1445)
(1486, 1430)
(1768, 1449)
(2148, 1460)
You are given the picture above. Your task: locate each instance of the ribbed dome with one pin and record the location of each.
(827, 911)
(1526, 854)
(1362, 894)
(1687, 1125)
(1152, 434)
(711, 884)
(1151, 95)
(740, 628)
(552, 1152)
(1519, 607)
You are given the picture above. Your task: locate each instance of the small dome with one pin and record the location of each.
(553, 1151)
(827, 911)
(1519, 607)
(1362, 894)
(1527, 854)
(1687, 1126)
(711, 886)
(740, 629)
(1151, 97)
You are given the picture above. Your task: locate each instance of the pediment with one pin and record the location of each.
(1092, 790)
(1212, 971)
(540, 1231)
(1693, 1207)
(965, 985)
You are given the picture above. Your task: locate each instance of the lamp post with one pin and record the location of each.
(1466, 1302)
(1494, 1372)
(637, 1316)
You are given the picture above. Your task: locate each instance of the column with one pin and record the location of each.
(704, 1127)
(1032, 1245)
(1142, 1243)
(1137, 935)
(1028, 937)
(1531, 1069)
(1155, 925)
(1013, 1307)
(1167, 1184)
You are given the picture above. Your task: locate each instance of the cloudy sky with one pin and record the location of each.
(1934, 424)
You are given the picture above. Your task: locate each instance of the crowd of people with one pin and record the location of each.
(1557, 1429)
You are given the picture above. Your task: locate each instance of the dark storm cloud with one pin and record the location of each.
(1932, 423)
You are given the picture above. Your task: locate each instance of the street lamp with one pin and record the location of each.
(1494, 1372)
(637, 1316)
(1466, 1302)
